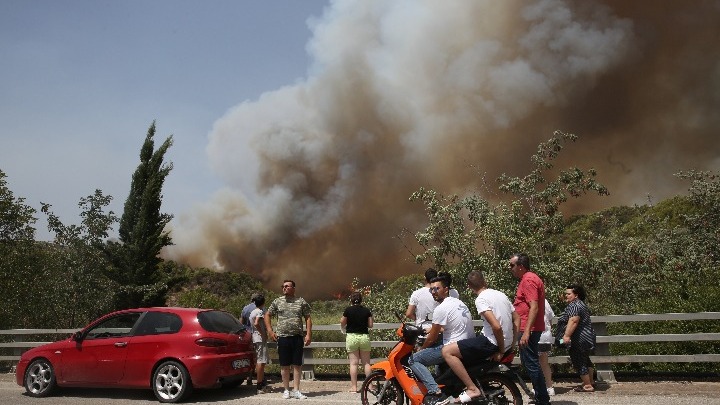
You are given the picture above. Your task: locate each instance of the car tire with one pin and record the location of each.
(40, 378)
(171, 382)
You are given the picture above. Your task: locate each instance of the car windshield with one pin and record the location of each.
(219, 321)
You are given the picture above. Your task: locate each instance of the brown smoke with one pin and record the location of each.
(405, 94)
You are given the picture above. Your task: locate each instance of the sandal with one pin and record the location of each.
(582, 388)
(464, 398)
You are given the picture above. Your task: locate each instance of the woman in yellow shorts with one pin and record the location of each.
(356, 321)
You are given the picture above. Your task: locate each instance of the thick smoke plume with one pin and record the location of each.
(404, 94)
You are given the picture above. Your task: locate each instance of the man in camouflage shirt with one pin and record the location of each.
(290, 311)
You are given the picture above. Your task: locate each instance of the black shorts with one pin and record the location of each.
(290, 350)
(477, 349)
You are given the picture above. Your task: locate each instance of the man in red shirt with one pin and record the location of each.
(530, 306)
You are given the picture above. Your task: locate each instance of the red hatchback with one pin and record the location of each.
(169, 350)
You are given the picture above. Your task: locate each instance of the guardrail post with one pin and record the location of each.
(604, 371)
(308, 370)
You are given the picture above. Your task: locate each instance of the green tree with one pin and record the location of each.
(72, 271)
(473, 232)
(17, 250)
(142, 230)
(16, 218)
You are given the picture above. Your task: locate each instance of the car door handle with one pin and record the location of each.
(120, 344)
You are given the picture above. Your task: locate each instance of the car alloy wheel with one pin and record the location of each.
(171, 382)
(39, 378)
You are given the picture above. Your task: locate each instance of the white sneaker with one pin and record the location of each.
(298, 395)
(551, 391)
(286, 394)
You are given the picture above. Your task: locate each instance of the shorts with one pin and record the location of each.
(476, 350)
(544, 347)
(290, 350)
(261, 352)
(357, 341)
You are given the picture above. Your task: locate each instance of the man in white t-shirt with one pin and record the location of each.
(422, 304)
(500, 331)
(451, 317)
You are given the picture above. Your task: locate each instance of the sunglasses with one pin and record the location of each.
(288, 286)
(433, 289)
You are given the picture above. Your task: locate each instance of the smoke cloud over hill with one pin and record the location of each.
(405, 94)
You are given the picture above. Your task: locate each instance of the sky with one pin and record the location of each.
(302, 128)
(82, 80)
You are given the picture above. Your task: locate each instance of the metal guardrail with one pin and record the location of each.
(602, 358)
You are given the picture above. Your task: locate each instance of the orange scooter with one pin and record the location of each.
(393, 382)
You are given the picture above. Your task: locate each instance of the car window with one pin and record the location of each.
(117, 326)
(156, 323)
(219, 321)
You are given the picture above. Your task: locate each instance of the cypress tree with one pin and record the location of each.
(142, 229)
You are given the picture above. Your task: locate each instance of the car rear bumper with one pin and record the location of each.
(212, 371)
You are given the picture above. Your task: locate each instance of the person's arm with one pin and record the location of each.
(570, 328)
(308, 334)
(256, 324)
(516, 327)
(268, 326)
(497, 332)
(431, 336)
(370, 322)
(343, 322)
(410, 312)
(532, 314)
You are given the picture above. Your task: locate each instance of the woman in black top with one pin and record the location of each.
(579, 336)
(356, 321)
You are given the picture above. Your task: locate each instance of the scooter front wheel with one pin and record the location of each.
(377, 390)
(500, 390)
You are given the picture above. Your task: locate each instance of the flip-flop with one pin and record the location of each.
(464, 398)
(581, 388)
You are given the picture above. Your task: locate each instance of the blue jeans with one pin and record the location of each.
(419, 361)
(529, 358)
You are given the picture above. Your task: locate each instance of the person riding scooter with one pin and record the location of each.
(500, 330)
(451, 316)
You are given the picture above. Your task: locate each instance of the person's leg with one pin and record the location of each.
(285, 374)
(284, 349)
(297, 372)
(452, 356)
(297, 360)
(529, 358)
(260, 372)
(545, 366)
(418, 363)
(365, 358)
(583, 358)
(354, 358)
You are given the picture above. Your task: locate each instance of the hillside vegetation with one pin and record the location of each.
(640, 259)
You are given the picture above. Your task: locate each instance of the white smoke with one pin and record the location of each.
(406, 94)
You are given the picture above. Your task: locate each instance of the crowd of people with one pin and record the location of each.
(525, 324)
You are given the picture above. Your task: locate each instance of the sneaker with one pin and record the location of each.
(550, 391)
(286, 394)
(298, 395)
(436, 399)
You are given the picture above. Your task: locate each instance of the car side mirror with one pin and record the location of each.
(77, 336)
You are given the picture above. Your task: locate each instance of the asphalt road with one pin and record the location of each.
(327, 392)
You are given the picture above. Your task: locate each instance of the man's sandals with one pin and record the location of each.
(584, 388)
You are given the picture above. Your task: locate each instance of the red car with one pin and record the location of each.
(169, 350)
